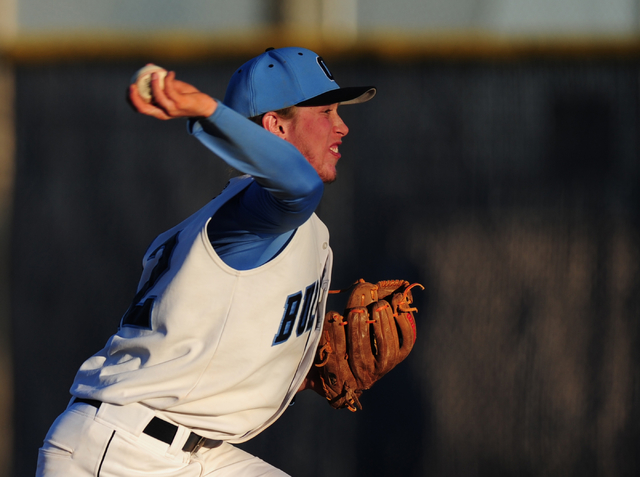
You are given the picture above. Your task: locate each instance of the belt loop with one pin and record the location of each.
(175, 447)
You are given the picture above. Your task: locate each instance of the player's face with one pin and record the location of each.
(317, 132)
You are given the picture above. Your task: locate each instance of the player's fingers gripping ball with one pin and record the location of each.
(142, 80)
(377, 332)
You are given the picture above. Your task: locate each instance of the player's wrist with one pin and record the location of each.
(312, 381)
(208, 107)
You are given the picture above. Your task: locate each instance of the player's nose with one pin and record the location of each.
(340, 126)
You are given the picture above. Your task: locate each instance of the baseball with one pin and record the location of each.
(142, 79)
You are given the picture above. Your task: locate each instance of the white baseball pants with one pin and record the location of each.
(108, 442)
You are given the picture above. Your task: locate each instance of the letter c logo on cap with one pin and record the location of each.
(325, 68)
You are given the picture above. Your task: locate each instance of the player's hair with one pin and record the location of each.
(286, 113)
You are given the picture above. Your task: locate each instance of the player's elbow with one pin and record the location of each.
(311, 189)
(300, 209)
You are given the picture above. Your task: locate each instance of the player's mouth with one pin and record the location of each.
(334, 149)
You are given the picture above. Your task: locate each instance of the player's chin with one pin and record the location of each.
(329, 175)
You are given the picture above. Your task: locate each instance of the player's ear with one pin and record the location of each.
(274, 123)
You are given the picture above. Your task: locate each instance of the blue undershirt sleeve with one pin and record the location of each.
(252, 227)
(290, 189)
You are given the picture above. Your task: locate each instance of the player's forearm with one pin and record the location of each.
(275, 164)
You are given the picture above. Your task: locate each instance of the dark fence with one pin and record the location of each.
(509, 189)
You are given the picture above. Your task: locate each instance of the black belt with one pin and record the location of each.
(165, 431)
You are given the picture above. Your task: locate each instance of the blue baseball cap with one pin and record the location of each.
(284, 77)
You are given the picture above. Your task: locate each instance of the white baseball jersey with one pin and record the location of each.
(215, 349)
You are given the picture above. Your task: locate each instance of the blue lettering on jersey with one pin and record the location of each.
(307, 317)
(139, 313)
(308, 313)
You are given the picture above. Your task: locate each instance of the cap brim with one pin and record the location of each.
(350, 95)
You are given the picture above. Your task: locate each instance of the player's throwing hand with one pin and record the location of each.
(176, 100)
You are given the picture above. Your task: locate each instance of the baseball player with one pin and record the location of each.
(222, 331)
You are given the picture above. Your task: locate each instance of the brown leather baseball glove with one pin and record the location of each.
(376, 333)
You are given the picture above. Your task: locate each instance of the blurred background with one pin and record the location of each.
(498, 166)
